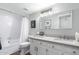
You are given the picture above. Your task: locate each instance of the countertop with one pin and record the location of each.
(54, 39)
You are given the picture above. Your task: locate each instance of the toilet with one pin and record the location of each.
(25, 48)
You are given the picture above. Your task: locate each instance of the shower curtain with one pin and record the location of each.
(24, 30)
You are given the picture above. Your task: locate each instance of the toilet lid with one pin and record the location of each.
(25, 44)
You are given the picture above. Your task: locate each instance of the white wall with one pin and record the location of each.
(57, 9)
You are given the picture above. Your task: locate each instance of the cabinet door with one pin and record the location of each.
(72, 52)
(42, 50)
(33, 49)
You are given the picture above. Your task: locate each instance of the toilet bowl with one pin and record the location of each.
(25, 48)
(25, 44)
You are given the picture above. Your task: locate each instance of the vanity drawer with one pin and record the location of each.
(39, 42)
(35, 42)
(54, 46)
(73, 51)
(44, 44)
(69, 50)
(54, 52)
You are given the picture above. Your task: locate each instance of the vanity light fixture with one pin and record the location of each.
(45, 11)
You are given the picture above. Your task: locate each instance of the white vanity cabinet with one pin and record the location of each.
(36, 48)
(43, 47)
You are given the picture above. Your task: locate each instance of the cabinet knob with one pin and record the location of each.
(46, 50)
(74, 51)
(36, 49)
(40, 43)
(52, 46)
(8, 41)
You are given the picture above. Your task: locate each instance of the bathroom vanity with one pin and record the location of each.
(42, 45)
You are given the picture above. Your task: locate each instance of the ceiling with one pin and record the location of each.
(23, 8)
